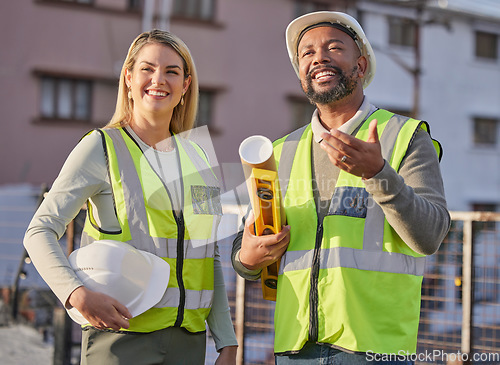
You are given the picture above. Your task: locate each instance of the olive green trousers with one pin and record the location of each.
(170, 346)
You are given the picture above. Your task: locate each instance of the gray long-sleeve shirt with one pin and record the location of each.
(412, 200)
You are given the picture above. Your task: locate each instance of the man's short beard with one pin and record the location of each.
(344, 87)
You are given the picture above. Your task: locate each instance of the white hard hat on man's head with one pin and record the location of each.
(342, 21)
(136, 278)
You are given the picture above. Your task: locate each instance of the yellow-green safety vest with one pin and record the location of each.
(185, 239)
(349, 281)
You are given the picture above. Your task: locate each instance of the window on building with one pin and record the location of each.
(205, 108)
(135, 4)
(484, 207)
(65, 98)
(75, 1)
(194, 9)
(302, 111)
(486, 45)
(485, 131)
(307, 6)
(402, 31)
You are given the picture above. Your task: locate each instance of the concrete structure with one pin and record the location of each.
(77, 48)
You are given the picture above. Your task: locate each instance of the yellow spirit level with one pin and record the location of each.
(259, 167)
(264, 185)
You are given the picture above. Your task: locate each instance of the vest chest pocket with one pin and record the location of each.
(206, 200)
(349, 201)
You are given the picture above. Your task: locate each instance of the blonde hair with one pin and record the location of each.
(184, 116)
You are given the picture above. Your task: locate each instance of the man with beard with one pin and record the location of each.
(365, 204)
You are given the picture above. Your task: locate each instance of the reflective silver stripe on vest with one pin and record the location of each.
(167, 247)
(371, 257)
(390, 262)
(193, 249)
(390, 135)
(375, 217)
(202, 299)
(296, 260)
(201, 165)
(286, 158)
(134, 199)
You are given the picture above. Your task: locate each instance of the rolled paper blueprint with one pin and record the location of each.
(259, 167)
(257, 151)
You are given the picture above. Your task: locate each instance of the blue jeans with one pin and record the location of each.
(313, 354)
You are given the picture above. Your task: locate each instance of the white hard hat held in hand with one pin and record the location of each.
(136, 278)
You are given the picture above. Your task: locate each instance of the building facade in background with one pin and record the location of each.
(437, 59)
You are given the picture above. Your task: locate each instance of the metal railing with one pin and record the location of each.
(460, 315)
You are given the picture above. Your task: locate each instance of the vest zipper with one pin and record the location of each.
(313, 295)
(179, 219)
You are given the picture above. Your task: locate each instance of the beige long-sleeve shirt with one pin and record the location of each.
(83, 177)
(412, 199)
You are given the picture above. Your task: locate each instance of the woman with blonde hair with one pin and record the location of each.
(149, 186)
(184, 114)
